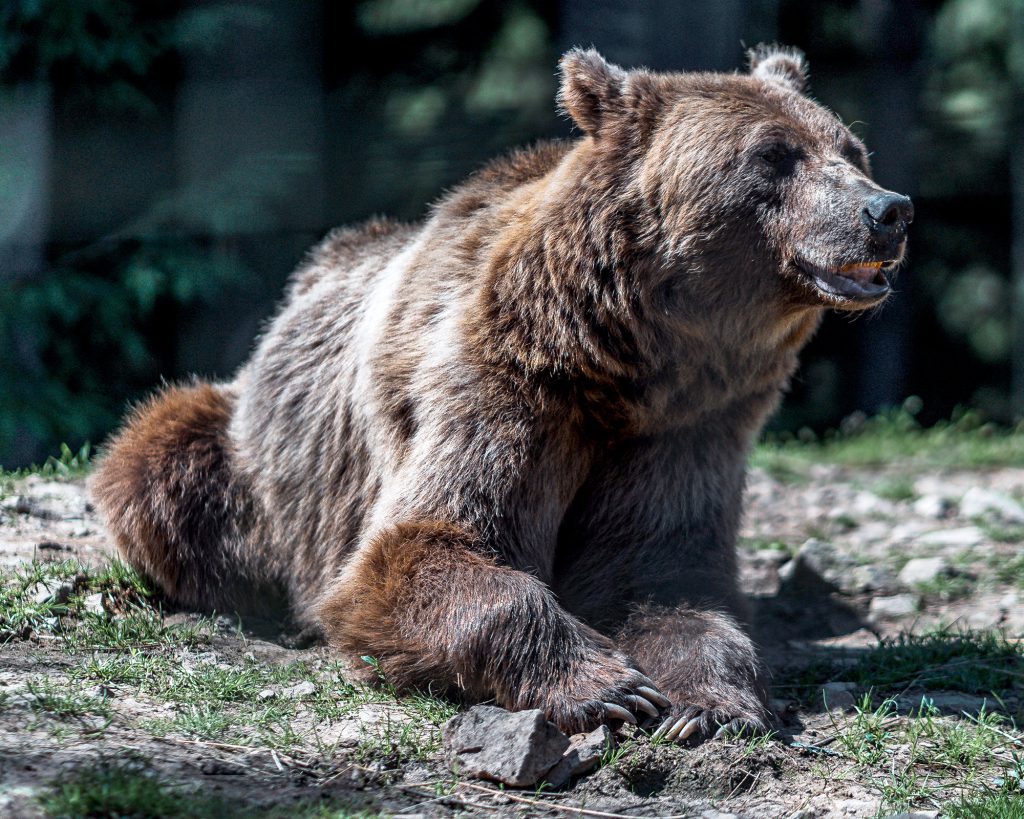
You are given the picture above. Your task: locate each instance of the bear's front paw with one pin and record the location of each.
(606, 690)
(714, 720)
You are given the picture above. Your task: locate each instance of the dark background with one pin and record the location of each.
(164, 165)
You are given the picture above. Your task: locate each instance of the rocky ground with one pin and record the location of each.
(105, 696)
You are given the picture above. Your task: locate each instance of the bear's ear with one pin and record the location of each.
(590, 88)
(779, 64)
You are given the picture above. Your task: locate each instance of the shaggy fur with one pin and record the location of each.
(502, 451)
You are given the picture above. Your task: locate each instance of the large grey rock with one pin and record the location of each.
(517, 748)
(583, 754)
(979, 502)
(923, 570)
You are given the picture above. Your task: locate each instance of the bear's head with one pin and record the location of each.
(742, 185)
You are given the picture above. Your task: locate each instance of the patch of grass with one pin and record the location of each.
(68, 463)
(867, 737)
(200, 720)
(896, 436)
(47, 598)
(991, 806)
(131, 789)
(1002, 532)
(928, 758)
(896, 489)
(215, 701)
(22, 610)
(1009, 569)
(753, 544)
(946, 587)
(118, 790)
(58, 698)
(973, 662)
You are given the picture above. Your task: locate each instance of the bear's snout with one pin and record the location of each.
(887, 215)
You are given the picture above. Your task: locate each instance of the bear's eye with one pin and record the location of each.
(776, 154)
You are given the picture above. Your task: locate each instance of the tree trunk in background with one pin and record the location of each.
(667, 35)
(1017, 193)
(252, 111)
(885, 340)
(26, 129)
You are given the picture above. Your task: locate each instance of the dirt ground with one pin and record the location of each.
(833, 559)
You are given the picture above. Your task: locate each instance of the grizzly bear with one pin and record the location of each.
(502, 451)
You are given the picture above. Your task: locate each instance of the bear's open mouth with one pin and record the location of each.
(856, 280)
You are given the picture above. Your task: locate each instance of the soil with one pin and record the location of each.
(821, 554)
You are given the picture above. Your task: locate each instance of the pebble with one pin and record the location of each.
(302, 689)
(923, 570)
(583, 754)
(838, 695)
(932, 506)
(961, 537)
(93, 604)
(898, 605)
(979, 502)
(53, 592)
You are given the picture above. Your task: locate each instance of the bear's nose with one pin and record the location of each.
(886, 213)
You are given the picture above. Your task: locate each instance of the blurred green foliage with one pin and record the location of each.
(417, 93)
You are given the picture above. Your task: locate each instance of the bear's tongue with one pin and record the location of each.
(860, 272)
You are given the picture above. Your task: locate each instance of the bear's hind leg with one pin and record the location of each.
(437, 613)
(172, 501)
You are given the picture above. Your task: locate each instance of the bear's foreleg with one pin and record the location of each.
(438, 613)
(707, 666)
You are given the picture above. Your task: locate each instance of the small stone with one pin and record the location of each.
(889, 608)
(979, 502)
(583, 754)
(93, 604)
(813, 566)
(964, 536)
(266, 694)
(517, 748)
(302, 689)
(838, 695)
(867, 579)
(868, 503)
(932, 506)
(50, 592)
(915, 814)
(854, 807)
(923, 570)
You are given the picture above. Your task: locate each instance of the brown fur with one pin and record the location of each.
(503, 451)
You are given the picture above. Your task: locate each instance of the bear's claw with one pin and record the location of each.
(701, 722)
(651, 694)
(639, 703)
(613, 711)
